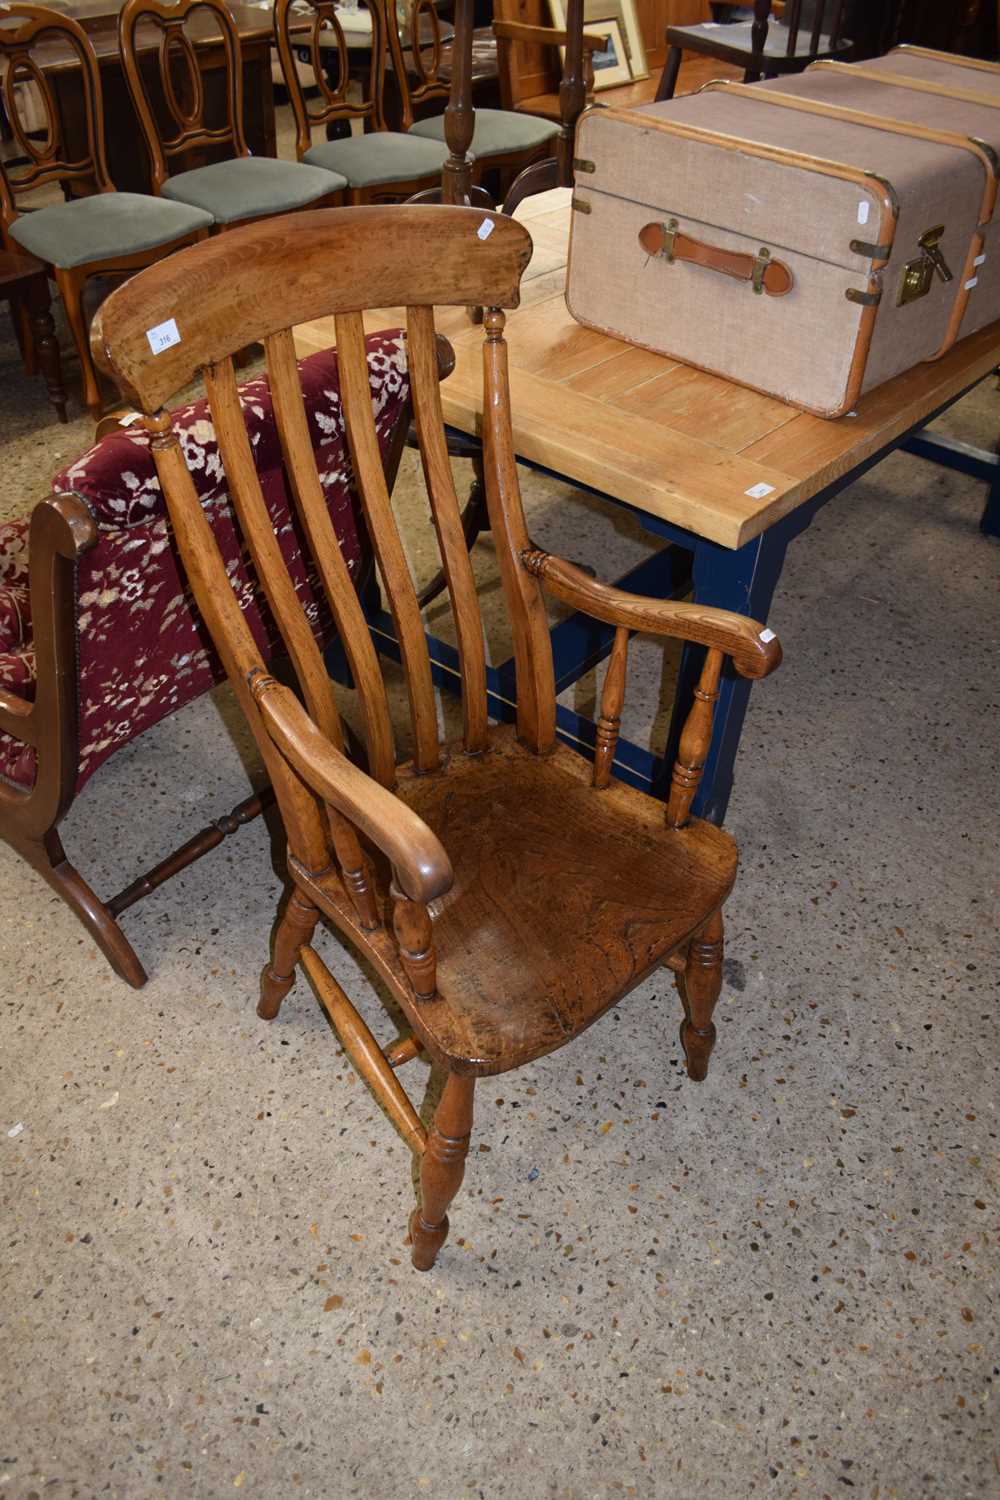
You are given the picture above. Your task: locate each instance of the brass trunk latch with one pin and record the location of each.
(918, 274)
(760, 262)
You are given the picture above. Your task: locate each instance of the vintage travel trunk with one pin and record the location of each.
(810, 237)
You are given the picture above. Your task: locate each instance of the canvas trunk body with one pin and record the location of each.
(810, 236)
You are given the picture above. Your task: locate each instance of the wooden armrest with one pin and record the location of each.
(754, 650)
(422, 868)
(542, 36)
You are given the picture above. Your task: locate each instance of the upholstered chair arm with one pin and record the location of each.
(421, 866)
(755, 651)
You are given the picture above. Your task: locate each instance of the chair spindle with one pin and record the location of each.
(363, 442)
(696, 737)
(341, 594)
(425, 391)
(236, 645)
(536, 691)
(412, 925)
(251, 510)
(612, 698)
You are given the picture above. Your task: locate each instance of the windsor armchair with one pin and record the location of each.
(808, 30)
(442, 869)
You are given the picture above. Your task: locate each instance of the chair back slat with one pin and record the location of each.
(182, 95)
(40, 143)
(338, 586)
(247, 496)
(240, 654)
(332, 103)
(426, 395)
(362, 439)
(536, 689)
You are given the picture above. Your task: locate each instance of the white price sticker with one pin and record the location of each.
(759, 491)
(970, 284)
(863, 211)
(129, 418)
(163, 336)
(979, 260)
(485, 229)
(766, 635)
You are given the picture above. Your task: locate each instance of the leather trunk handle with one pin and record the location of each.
(764, 274)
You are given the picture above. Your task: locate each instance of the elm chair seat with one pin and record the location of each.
(379, 156)
(497, 131)
(86, 231)
(248, 187)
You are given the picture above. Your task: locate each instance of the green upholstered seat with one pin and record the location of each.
(497, 131)
(248, 187)
(103, 227)
(380, 156)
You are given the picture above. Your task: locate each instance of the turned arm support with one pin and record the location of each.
(421, 866)
(754, 650)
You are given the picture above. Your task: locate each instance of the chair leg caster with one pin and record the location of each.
(426, 1240)
(697, 1046)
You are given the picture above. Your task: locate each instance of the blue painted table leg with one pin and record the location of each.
(989, 523)
(743, 580)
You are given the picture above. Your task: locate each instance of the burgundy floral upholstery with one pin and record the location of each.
(143, 650)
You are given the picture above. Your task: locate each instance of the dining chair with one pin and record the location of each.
(807, 30)
(232, 184)
(378, 165)
(500, 140)
(505, 891)
(96, 231)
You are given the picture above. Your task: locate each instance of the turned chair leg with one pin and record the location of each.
(700, 986)
(71, 285)
(442, 1168)
(295, 929)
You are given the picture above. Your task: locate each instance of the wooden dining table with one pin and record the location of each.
(726, 476)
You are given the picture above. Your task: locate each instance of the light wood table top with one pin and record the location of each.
(663, 437)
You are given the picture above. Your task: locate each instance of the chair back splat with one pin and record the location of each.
(506, 893)
(325, 41)
(41, 151)
(178, 94)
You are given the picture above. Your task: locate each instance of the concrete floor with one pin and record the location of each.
(782, 1282)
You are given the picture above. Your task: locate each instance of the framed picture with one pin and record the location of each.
(628, 47)
(624, 12)
(611, 63)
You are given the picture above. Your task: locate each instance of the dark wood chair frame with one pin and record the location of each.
(359, 849)
(754, 63)
(45, 162)
(62, 531)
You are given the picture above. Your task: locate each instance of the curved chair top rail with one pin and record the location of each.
(246, 284)
(44, 149)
